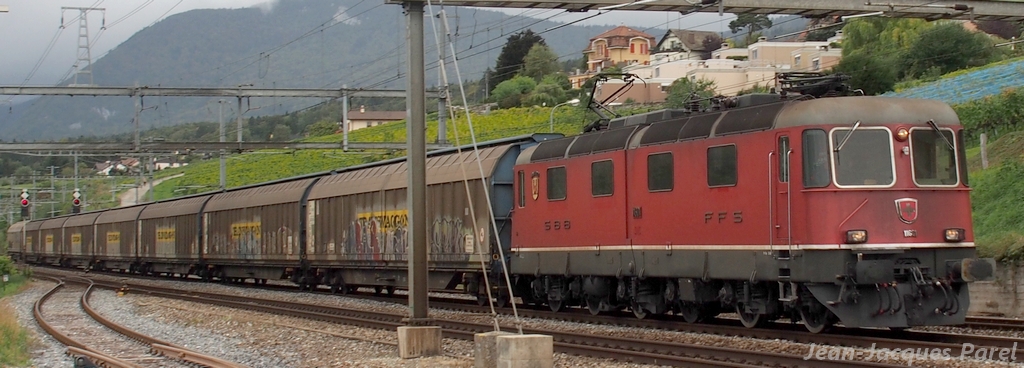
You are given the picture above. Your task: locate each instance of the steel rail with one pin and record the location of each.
(996, 323)
(158, 346)
(634, 350)
(75, 348)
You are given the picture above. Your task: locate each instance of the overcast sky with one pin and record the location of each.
(27, 29)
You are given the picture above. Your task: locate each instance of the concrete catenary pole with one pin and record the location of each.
(417, 199)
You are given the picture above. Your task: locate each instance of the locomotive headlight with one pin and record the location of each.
(902, 134)
(954, 235)
(856, 236)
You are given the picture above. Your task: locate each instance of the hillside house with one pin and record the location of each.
(619, 46)
(363, 118)
(684, 44)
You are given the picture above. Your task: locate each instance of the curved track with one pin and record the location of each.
(136, 351)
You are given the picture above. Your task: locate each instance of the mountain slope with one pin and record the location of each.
(363, 47)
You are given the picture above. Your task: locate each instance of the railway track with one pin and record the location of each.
(997, 323)
(620, 348)
(107, 343)
(843, 337)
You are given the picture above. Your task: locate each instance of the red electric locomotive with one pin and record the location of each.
(851, 209)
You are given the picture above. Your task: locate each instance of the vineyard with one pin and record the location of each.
(267, 165)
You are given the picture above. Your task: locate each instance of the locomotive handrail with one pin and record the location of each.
(771, 209)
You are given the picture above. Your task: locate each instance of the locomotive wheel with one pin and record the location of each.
(816, 318)
(750, 320)
(638, 311)
(691, 312)
(594, 305)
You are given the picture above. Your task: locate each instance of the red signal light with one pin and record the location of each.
(76, 202)
(24, 203)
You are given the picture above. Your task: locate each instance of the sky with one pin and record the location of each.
(35, 51)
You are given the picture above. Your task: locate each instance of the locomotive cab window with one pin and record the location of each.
(660, 172)
(934, 157)
(722, 166)
(815, 156)
(602, 174)
(783, 153)
(862, 157)
(556, 183)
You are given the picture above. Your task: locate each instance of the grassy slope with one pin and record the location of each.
(997, 198)
(15, 342)
(270, 165)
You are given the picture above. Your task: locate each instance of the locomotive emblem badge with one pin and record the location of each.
(535, 184)
(907, 209)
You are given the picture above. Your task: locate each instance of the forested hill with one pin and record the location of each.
(362, 45)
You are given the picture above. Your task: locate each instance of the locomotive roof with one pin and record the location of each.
(774, 115)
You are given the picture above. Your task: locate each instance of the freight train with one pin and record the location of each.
(848, 209)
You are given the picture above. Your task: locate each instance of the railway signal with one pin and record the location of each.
(24, 203)
(76, 202)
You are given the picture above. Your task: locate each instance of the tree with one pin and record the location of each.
(510, 60)
(945, 48)
(511, 93)
(685, 91)
(821, 34)
(710, 44)
(752, 23)
(545, 94)
(321, 128)
(281, 133)
(540, 62)
(1000, 28)
(868, 72)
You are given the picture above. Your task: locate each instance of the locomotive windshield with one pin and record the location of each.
(865, 158)
(934, 159)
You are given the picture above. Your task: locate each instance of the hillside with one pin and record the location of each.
(221, 47)
(969, 85)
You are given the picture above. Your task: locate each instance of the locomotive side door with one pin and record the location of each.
(781, 192)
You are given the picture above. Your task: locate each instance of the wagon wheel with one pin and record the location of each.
(594, 305)
(750, 320)
(502, 301)
(377, 290)
(556, 305)
(691, 312)
(390, 290)
(482, 299)
(638, 310)
(816, 317)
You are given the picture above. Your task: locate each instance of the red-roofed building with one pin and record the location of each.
(619, 46)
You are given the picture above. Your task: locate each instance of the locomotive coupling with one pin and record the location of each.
(972, 269)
